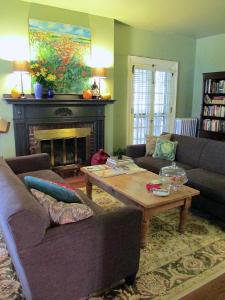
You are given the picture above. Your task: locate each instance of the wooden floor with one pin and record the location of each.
(214, 290)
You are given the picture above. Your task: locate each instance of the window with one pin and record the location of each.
(151, 97)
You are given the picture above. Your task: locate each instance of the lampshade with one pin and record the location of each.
(4, 125)
(99, 72)
(20, 65)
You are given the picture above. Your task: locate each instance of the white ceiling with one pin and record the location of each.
(194, 18)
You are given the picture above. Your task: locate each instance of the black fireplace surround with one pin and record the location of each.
(64, 109)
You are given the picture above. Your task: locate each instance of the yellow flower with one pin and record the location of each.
(43, 71)
(51, 77)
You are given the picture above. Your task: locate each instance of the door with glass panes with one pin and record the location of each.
(152, 99)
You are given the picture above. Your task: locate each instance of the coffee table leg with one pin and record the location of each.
(184, 214)
(144, 229)
(88, 187)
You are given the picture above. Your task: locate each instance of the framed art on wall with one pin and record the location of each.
(64, 50)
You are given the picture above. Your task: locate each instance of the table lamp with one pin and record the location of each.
(21, 66)
(99, 73)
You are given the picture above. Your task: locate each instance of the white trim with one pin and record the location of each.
(152, 64)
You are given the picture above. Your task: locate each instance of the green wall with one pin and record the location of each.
(14, 17)
(119, 41)
(210, 57)
(131, 41)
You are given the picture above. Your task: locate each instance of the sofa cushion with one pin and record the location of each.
(165, 149)
(213, 157)
(210, 184)
(189, 149)
(151, 164)
(151, 142)
(154, 164)
(53, 189)
(43, 174)
(61, 212)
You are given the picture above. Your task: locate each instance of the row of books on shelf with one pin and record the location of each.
(214, 111)
(214, 100)
(212, 86)
(213, 125)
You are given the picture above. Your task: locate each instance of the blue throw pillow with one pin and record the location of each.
(52, 189)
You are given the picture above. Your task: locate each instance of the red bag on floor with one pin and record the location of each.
(99, 158)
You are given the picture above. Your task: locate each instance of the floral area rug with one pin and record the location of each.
(171, 266)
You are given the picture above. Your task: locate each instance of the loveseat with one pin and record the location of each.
(66, 261)
(204, 161)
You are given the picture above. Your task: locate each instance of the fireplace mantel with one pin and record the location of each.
(68, 109)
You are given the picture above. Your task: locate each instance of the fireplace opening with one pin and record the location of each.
(68, 148)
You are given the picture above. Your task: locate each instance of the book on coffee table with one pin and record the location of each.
(108, 171)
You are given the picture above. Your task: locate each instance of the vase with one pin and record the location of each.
(50, 93)
(38, 90)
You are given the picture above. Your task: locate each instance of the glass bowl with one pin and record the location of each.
(173, 177)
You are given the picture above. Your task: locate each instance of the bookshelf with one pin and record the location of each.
(212, 119)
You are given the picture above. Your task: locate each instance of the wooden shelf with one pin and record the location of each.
(214, 94)
(212, 82)
(213, 132)
(211, 104)
(213, 118)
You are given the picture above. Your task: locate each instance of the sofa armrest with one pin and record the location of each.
(29, 163)
(135, 151)
(122, 220)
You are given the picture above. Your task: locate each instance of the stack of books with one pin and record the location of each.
(114, 162)
(115, 166)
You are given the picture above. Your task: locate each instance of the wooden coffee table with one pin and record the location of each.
(130, 189)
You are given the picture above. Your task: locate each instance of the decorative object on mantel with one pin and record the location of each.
(106, 96)
(4, 125)
(43, 77)
(98, 73)
(65, 49)
(38, 90)
(15, 93)
(87, 94)
(21, 66)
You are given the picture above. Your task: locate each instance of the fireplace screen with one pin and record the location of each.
(65, 146)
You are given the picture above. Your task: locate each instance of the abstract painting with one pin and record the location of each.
(64, 49)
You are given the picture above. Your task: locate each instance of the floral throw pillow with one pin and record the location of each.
(61, 212)
(165, 149)
(151, 142)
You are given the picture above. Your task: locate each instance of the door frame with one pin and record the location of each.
(149, 63)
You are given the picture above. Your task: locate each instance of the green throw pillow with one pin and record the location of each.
(165, 149)
(53, 189)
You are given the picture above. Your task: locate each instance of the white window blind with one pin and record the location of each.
(152, 101)
(142, 91)
(162, 96)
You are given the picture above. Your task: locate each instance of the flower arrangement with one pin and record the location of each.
(40, 73)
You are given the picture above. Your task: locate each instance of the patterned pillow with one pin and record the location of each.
(61, 212)
(58, 191)
(151, 142)
(165, 149)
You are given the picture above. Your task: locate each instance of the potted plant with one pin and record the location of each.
(42, 77)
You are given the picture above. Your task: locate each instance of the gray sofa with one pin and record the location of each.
(204, 161)
(68, 261)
